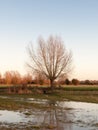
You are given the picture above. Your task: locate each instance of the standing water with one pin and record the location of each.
(65, 115)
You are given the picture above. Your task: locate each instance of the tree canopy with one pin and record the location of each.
(50, 58)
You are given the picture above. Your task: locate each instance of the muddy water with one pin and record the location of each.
(66, 115)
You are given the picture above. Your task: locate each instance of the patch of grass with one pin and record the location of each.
(36, 127)
(11, 104)
(28, 113)
(96, 125)
(81, 93)
(50, 127)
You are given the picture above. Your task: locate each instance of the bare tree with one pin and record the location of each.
(50, 58)
(8, 77)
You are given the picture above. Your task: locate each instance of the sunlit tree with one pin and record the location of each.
(75, 81)
(50, 58)
(8, 77)
(26, 79)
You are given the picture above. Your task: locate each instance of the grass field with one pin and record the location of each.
(20, 103)
(73, 93)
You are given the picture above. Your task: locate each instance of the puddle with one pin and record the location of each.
(32, 100)
(66, 115)
(84, 112)
(12, 117)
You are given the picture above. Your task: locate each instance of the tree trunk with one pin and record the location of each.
(9, 89)
(51, 84)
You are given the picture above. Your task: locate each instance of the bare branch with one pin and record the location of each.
(50, 59)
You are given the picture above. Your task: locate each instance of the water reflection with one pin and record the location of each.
(65, 115)
(86, 112)
(69, 116)
(55, 116)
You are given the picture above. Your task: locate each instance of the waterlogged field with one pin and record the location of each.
(58, 110)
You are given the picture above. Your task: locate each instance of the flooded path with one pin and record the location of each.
(65, 115)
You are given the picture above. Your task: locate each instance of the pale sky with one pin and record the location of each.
(76, 21)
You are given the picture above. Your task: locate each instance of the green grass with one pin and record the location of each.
(73, 93)
(80, 87)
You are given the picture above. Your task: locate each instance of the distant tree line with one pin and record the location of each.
(15, 78)
(78, 82)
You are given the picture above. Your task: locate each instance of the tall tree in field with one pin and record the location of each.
(8, 77)
(50, 58)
